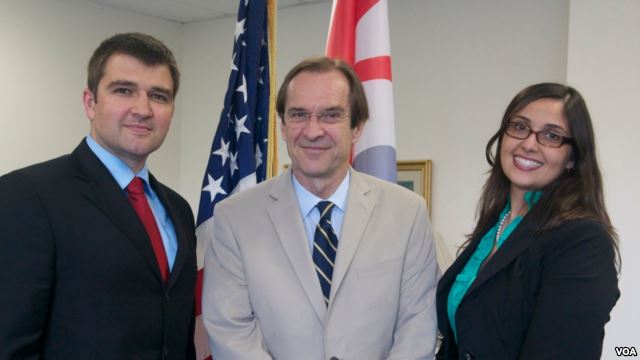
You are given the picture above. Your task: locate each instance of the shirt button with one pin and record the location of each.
(468, 356)
(334, 358)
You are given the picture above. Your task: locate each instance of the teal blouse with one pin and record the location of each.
(470, 271)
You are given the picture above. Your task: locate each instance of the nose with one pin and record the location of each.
(313, 128)
(531, 142)
(142, 106)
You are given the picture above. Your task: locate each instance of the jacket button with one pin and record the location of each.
(165, 353)
(468, 356)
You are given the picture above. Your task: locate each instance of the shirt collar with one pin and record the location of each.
(120, 171)
(530, 197)
(307, 200)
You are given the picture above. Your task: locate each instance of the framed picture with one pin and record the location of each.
(415, 175)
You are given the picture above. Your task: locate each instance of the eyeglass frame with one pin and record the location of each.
(322, 116)
(565, 139)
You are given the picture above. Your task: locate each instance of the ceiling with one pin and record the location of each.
(190, 11)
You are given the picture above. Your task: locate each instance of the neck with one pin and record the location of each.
(519, 206)
(320, 187)
(135, 166)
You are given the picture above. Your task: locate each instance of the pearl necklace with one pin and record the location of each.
(501, 224)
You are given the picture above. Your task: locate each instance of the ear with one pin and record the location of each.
(356, 133)
(570, 165)
(89, 103)
(283, 133)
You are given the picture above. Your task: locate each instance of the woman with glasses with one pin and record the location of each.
(537, 278)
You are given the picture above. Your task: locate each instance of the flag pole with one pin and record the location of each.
(272, 154)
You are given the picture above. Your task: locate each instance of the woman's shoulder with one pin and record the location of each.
(586, 237)
(581, 226)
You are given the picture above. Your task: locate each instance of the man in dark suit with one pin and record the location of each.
(98, 257)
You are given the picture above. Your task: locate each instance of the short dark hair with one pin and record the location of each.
(143, 47)
(323, 64)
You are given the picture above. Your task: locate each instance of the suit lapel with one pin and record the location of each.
(357, 215)
(284, 213)
(447, 280)
(180, 229)
(100, 188)
(519, 240)
(449, 277)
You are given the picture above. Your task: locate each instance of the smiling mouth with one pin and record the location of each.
(526, 164)
(138, 128)
(314, 150)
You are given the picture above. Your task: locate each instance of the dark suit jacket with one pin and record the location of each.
(541, 296)
(79, 278)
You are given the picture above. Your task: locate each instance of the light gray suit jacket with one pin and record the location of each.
(262, 297)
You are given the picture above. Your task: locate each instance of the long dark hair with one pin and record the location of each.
(575, 194)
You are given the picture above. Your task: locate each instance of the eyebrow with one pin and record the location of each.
(546, 126)
(332, 108)
(127, 83)
(117, 83)
(296, 109)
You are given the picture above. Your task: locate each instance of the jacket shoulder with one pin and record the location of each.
(388, 190)
(253, 196)
(44, 172)
(576, 232)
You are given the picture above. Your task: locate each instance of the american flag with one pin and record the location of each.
(239, 151)
(359, 35)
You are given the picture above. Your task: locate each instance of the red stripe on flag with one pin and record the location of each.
(364, 6)
(374, 68)
(199, 292)
(341, 42)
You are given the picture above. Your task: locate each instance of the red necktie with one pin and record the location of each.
(135, 192)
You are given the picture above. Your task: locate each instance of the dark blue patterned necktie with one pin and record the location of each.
(325, 244)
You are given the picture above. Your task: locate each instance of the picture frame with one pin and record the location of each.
(415, 175)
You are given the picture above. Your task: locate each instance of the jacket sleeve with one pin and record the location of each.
(577, 292)
(28, 268)
(415, 333)
(234, 332)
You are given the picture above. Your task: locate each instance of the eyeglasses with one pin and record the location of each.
(330, 117)
(546, 137)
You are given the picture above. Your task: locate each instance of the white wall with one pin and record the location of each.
(604, 64)
(45, 49)
(456, 65)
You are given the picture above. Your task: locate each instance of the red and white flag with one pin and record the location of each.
(359, 35)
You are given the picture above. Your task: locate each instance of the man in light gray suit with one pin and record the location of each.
(321, 262)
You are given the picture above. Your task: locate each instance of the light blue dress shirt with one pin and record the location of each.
(123, 175)
(310, 214)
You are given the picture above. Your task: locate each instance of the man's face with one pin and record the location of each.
(132, 110)
(319, 147)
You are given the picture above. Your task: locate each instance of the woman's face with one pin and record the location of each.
(527, 164)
